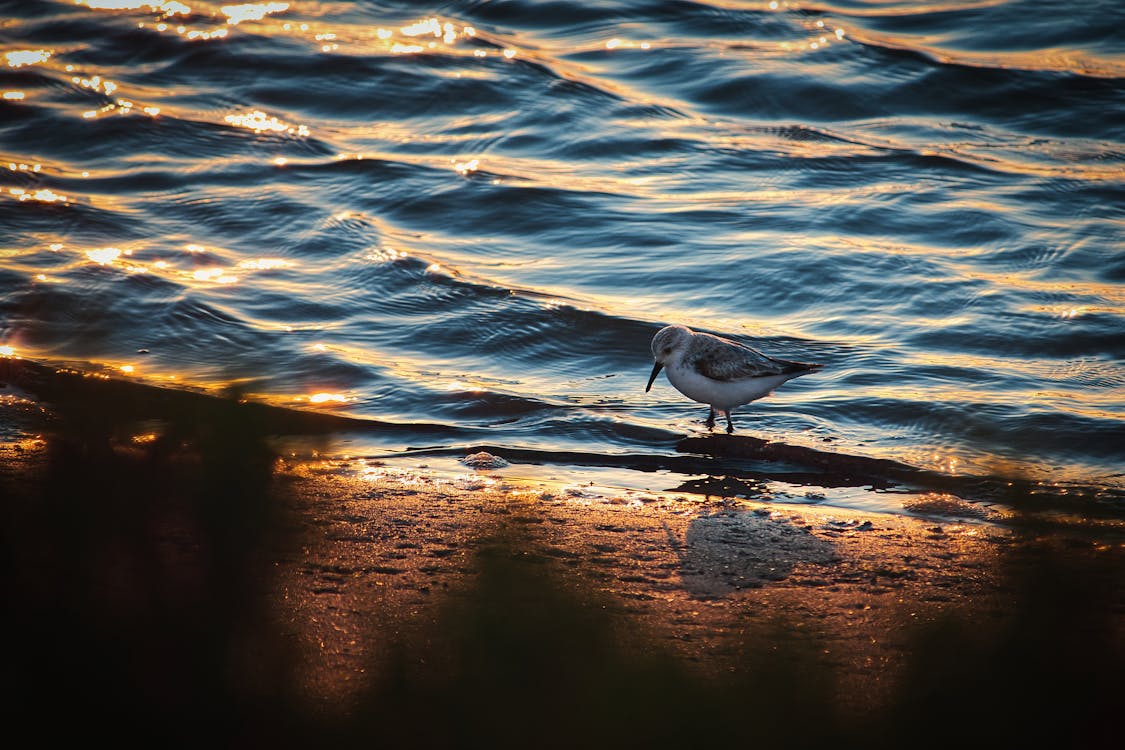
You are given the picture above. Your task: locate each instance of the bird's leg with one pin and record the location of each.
(730, 425)
(710, 419)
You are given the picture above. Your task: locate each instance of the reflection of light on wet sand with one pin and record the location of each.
(13, 96)
(944, 504)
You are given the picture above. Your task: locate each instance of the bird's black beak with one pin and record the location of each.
(652, 378)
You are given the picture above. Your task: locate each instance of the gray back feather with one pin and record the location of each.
(720, 359)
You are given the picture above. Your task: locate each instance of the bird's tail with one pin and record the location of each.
(800, 368)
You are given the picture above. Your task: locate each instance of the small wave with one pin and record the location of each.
(471, 222)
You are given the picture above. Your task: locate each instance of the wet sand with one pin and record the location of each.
(697, 576)
(701, 578)
(338, 598)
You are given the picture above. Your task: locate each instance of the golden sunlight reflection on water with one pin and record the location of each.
(265, 264)
(426, 34)
(202, 21)
(199, 265)
(328, 398)
(43, 195)
(167, 8)
(251, 11)
(21, 58)
(103, 255)
(260, 122)
(217, 273)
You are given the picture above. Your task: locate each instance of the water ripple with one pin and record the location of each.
(466, 220)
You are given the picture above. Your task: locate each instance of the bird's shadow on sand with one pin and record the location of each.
(728, 550)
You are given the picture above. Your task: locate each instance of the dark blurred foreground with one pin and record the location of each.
(137, 583)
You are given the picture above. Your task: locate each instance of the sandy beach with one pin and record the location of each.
(206, 579)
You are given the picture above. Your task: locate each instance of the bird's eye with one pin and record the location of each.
(667, 350)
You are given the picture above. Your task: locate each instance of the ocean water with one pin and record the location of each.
(464, 221)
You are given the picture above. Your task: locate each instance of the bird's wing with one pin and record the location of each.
(721, 359)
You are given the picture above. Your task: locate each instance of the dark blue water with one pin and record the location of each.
(468, 219)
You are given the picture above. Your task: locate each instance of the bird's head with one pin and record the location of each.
(667, 344)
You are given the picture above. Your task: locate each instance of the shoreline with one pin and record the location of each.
(356, 600)
(738, 465)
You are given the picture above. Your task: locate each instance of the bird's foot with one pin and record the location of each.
(710, 423)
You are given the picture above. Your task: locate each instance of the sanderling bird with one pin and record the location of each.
(717, 371)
